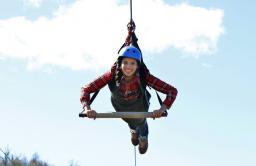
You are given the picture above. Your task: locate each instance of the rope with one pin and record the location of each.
(131, 9)
(135, 155)
(131, 25)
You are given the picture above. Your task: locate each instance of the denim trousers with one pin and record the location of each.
(140, 128)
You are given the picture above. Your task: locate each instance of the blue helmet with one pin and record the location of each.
(130, 52)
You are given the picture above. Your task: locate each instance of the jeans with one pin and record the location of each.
(141, 129)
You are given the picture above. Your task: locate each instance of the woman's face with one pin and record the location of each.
(129, 67)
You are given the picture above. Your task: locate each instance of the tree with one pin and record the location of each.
(5, 159)
(8, 159)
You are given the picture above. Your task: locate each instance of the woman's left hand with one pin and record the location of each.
(158, 113)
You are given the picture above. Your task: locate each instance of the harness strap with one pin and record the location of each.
(159, 99)
(94, 96)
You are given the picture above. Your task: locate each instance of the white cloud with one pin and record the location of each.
(87, 34)
(33, 3)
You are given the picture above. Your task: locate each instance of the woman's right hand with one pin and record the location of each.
(91, 114)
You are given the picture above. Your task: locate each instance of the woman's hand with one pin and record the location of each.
(158, 113)
(91, 114)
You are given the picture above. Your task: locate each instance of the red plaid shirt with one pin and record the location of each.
(129, 89)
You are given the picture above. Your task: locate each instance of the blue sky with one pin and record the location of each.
(206, 50)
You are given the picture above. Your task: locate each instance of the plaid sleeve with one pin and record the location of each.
(159, 85)
(92, 87)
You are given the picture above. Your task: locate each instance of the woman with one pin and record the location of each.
(126, 81)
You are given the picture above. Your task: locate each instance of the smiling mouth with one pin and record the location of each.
(128, 71)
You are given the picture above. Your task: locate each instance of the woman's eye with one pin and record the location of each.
(125, 62)
(132, 63)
